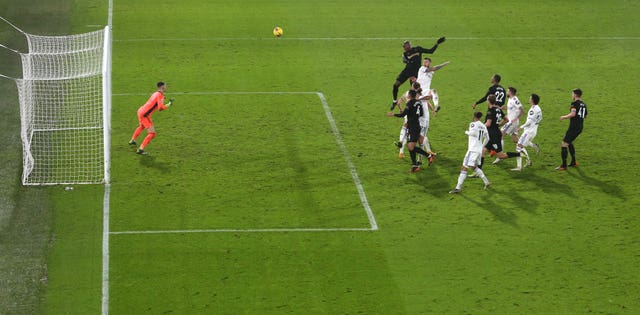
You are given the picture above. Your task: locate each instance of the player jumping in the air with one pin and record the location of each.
(478, 138)
(412, 56)
(155, 102)
(577, 115)
(530, 129)
(425, 75)
(495, 89)
(413, 111)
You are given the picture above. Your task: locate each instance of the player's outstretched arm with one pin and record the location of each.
(440, 66)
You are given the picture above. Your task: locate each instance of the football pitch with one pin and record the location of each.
(274, 186)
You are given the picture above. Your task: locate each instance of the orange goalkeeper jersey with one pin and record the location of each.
(155, 102)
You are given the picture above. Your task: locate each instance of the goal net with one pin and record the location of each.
(65, 105)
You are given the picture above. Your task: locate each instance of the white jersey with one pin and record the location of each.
(513, 108)
(424, 78)
(533, 119)
(424, 119)
(478, 136)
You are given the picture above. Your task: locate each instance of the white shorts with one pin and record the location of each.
(527, 138)
(472, 158)
(424, 129)
(511, 128)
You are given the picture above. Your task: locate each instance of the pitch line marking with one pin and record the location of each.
(336, 133)
(274, 230)
(380, 38)
(106, 209)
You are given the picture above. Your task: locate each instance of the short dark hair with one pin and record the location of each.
(497, 77)
(577, 92)
(513, 90)
(160, 84)
(406, 42)
(413, 93)
(491, 99)
(427, 58)
(535, 98)
(477, 115)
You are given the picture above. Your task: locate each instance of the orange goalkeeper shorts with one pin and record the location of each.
(145, 121)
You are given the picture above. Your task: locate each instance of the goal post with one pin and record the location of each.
(65, 108)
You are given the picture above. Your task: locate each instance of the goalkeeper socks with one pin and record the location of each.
(137, 133)
(147, 139)
(395, 92)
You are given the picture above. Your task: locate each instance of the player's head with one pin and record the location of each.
(511, 91)
(426, 62)
(577, 93)
(491, 99)
(416, 87)
(495, 79)
(406, 45)
(161, 86)
(477, 116)
(535, 99)
(413, 94)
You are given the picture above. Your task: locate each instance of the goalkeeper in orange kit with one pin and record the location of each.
(155, 102)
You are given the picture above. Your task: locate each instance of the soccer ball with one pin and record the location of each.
(277, 31)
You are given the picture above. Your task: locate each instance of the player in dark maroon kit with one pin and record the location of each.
(577, 115)
(413, 111)
(412, 57)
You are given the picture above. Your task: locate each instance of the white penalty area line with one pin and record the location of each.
(206, 39)
(373, 225)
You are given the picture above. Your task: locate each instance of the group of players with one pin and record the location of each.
(484, 138)
(417, 104)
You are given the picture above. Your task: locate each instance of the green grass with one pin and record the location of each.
(539, 242)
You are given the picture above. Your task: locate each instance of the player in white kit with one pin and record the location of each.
(514, 112)
(530, 130)
(425, 75)
(478, 139)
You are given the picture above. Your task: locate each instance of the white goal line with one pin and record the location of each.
(373, 225)
(205, 39)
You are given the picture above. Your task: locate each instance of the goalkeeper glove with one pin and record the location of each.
(441, 40)
(170, 102)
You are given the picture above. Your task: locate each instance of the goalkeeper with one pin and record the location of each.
(155, 102)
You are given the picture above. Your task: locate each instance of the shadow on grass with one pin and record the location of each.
(606, 187)
(499, 211)
(150, 162)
